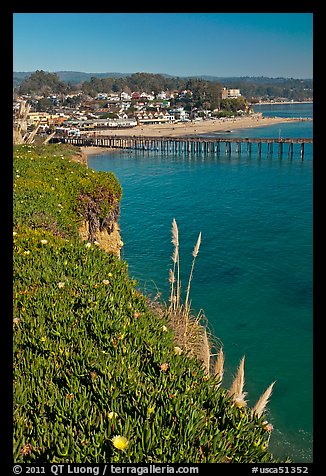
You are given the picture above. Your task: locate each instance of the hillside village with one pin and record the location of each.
(45, 104)
(77, 113)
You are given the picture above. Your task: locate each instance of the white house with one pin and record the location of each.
(113, 98)
(179, 113)
(124, 105)
(125, 96)
(185, 92)
(161, 95)
(148, 96)
(101, 96)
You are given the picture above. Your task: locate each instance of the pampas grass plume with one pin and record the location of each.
(262, 402)
(236, 390)
(219, 366)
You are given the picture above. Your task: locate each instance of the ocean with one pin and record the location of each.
(253, 274)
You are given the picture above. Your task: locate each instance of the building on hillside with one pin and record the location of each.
(185, 93)
(113, 98)
(101, 96)
(157, 117)
(43, 118)
(124, 105)
(148, 96)
(125, 96)
(230, 93)
(95, 124)
(161, 95)
(179, 113)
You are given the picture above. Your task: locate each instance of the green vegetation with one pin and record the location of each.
(54, 193)
(97, 376)
(206, 88)
(43, 83)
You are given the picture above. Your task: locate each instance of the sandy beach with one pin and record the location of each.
(199, 127)
(92, 150)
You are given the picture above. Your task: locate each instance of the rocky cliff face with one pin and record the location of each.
(107, 238)
(109, 242)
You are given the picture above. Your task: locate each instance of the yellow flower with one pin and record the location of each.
(164, 367)
(164, 329)
(177, 350)
(26, 449)
(106, 281)
(110, 275)
(120, 442)
(44, 242)
(112, 415)
(43, 339)
(61, 284)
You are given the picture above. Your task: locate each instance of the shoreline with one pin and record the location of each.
(216, 126)
(270, 103)
(93, 150)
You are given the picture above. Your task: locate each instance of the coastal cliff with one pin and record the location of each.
(109, 240)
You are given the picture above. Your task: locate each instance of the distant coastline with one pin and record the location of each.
(269, 103)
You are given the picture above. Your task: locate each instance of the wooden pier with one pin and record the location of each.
(189, 144)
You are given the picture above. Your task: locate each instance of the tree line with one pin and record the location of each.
(203, 90)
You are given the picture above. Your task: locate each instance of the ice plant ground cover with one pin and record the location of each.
(96, 374)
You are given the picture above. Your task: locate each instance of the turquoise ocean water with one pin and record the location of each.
(253, 274)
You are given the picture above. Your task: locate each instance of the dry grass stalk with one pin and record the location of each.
(262, 402)
(219, 367)
(172, 281)
(194, 253)
(196, 249)
(199, 343)
(206, 351)
(175, 291)
(236, 390)
(190, 334)
(175, 233)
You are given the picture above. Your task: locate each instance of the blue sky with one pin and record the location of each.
(180, 44)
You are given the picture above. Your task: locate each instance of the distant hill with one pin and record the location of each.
(76, 77)
(255, 79)
(73, 77)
